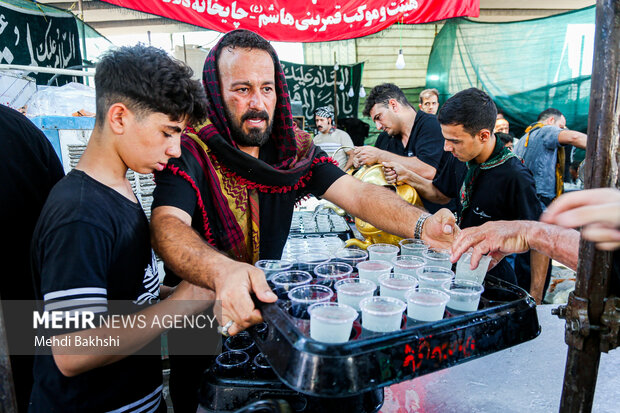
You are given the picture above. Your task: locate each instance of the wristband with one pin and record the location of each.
(419, 225)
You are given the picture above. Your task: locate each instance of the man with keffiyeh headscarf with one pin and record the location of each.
(336, 142)
(228, 200)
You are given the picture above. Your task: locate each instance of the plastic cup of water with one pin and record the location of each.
(287, 280)
(407, 264)
(352, 290)
(306, 295)
(382, 252)
(434, 277)
(307, 262)
(327, 274)
(272, 267)
(464, 295)
(351, 256)
(438, 258)
(382, 314)
(396, 285)
(412, 246)
(372, 269)
(331, 322)
(426, 304)
(463, 272)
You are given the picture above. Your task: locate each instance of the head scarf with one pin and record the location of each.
(325, 112)
(234, 177)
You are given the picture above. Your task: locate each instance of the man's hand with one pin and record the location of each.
(440, 229)
(498, 238)
(234, 283)
(395, 173)
(597, 211)
(366, 155)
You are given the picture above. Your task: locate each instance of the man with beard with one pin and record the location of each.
(331, 139)
(228, 200)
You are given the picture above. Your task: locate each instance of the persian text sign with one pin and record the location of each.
(299, 21)
(36, 39)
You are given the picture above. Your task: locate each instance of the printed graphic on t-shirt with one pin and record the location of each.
(150, 283)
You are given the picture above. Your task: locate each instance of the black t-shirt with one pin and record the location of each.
(505, 192)
(30, 168)
(275, 210)
(91, 242)
(425, 142)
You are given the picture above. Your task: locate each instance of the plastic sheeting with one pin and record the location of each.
(525, 66)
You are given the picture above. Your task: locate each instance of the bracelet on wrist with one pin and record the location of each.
(419, 225)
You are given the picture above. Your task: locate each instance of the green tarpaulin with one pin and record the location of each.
(525, 66)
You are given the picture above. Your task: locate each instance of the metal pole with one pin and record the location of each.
(586, 303)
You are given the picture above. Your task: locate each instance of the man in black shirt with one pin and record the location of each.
(228, 200)
(493, 186)
(409, 138)
(30, 168)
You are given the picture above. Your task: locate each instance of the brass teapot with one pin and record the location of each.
(374, 175)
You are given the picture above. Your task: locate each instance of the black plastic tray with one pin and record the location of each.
(506, 317)
(226, 394)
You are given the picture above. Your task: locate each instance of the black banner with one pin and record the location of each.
(33, 38)
(313, 85)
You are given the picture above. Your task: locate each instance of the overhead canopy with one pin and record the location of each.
(526, 66)
(302, 21)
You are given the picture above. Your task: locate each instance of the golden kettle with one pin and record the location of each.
(374, 175)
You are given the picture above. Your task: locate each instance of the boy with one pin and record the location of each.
(92, 242)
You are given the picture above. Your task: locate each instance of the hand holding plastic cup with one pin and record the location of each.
(426, 304)
(382, 252)
(396, 285)
(463, 271)
(331, 322)
(464, 295)
(352, 290)
(382, 314)
(434, 277)
(372, 269)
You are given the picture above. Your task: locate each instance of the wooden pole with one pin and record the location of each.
(586, 303)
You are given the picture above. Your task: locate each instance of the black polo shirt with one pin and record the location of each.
(425, 143)
(505, 192)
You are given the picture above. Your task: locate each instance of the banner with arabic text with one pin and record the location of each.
(304, 21)
(313, 86)
(30, 37)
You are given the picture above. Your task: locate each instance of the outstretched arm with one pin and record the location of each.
(369, 155)
(395, 173)
(387, 211)
(597, 211)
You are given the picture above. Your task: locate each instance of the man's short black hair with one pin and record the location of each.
(548, 113)
(504, 138)
(245, 39)
(146, 79)
(381, 94)
(471, 108)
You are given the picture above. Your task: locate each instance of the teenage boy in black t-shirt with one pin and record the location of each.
(92, 242)
(409, 138)
(489, 180)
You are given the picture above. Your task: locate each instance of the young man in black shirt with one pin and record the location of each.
(494, 185)
(91, 244)
(409, 138)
